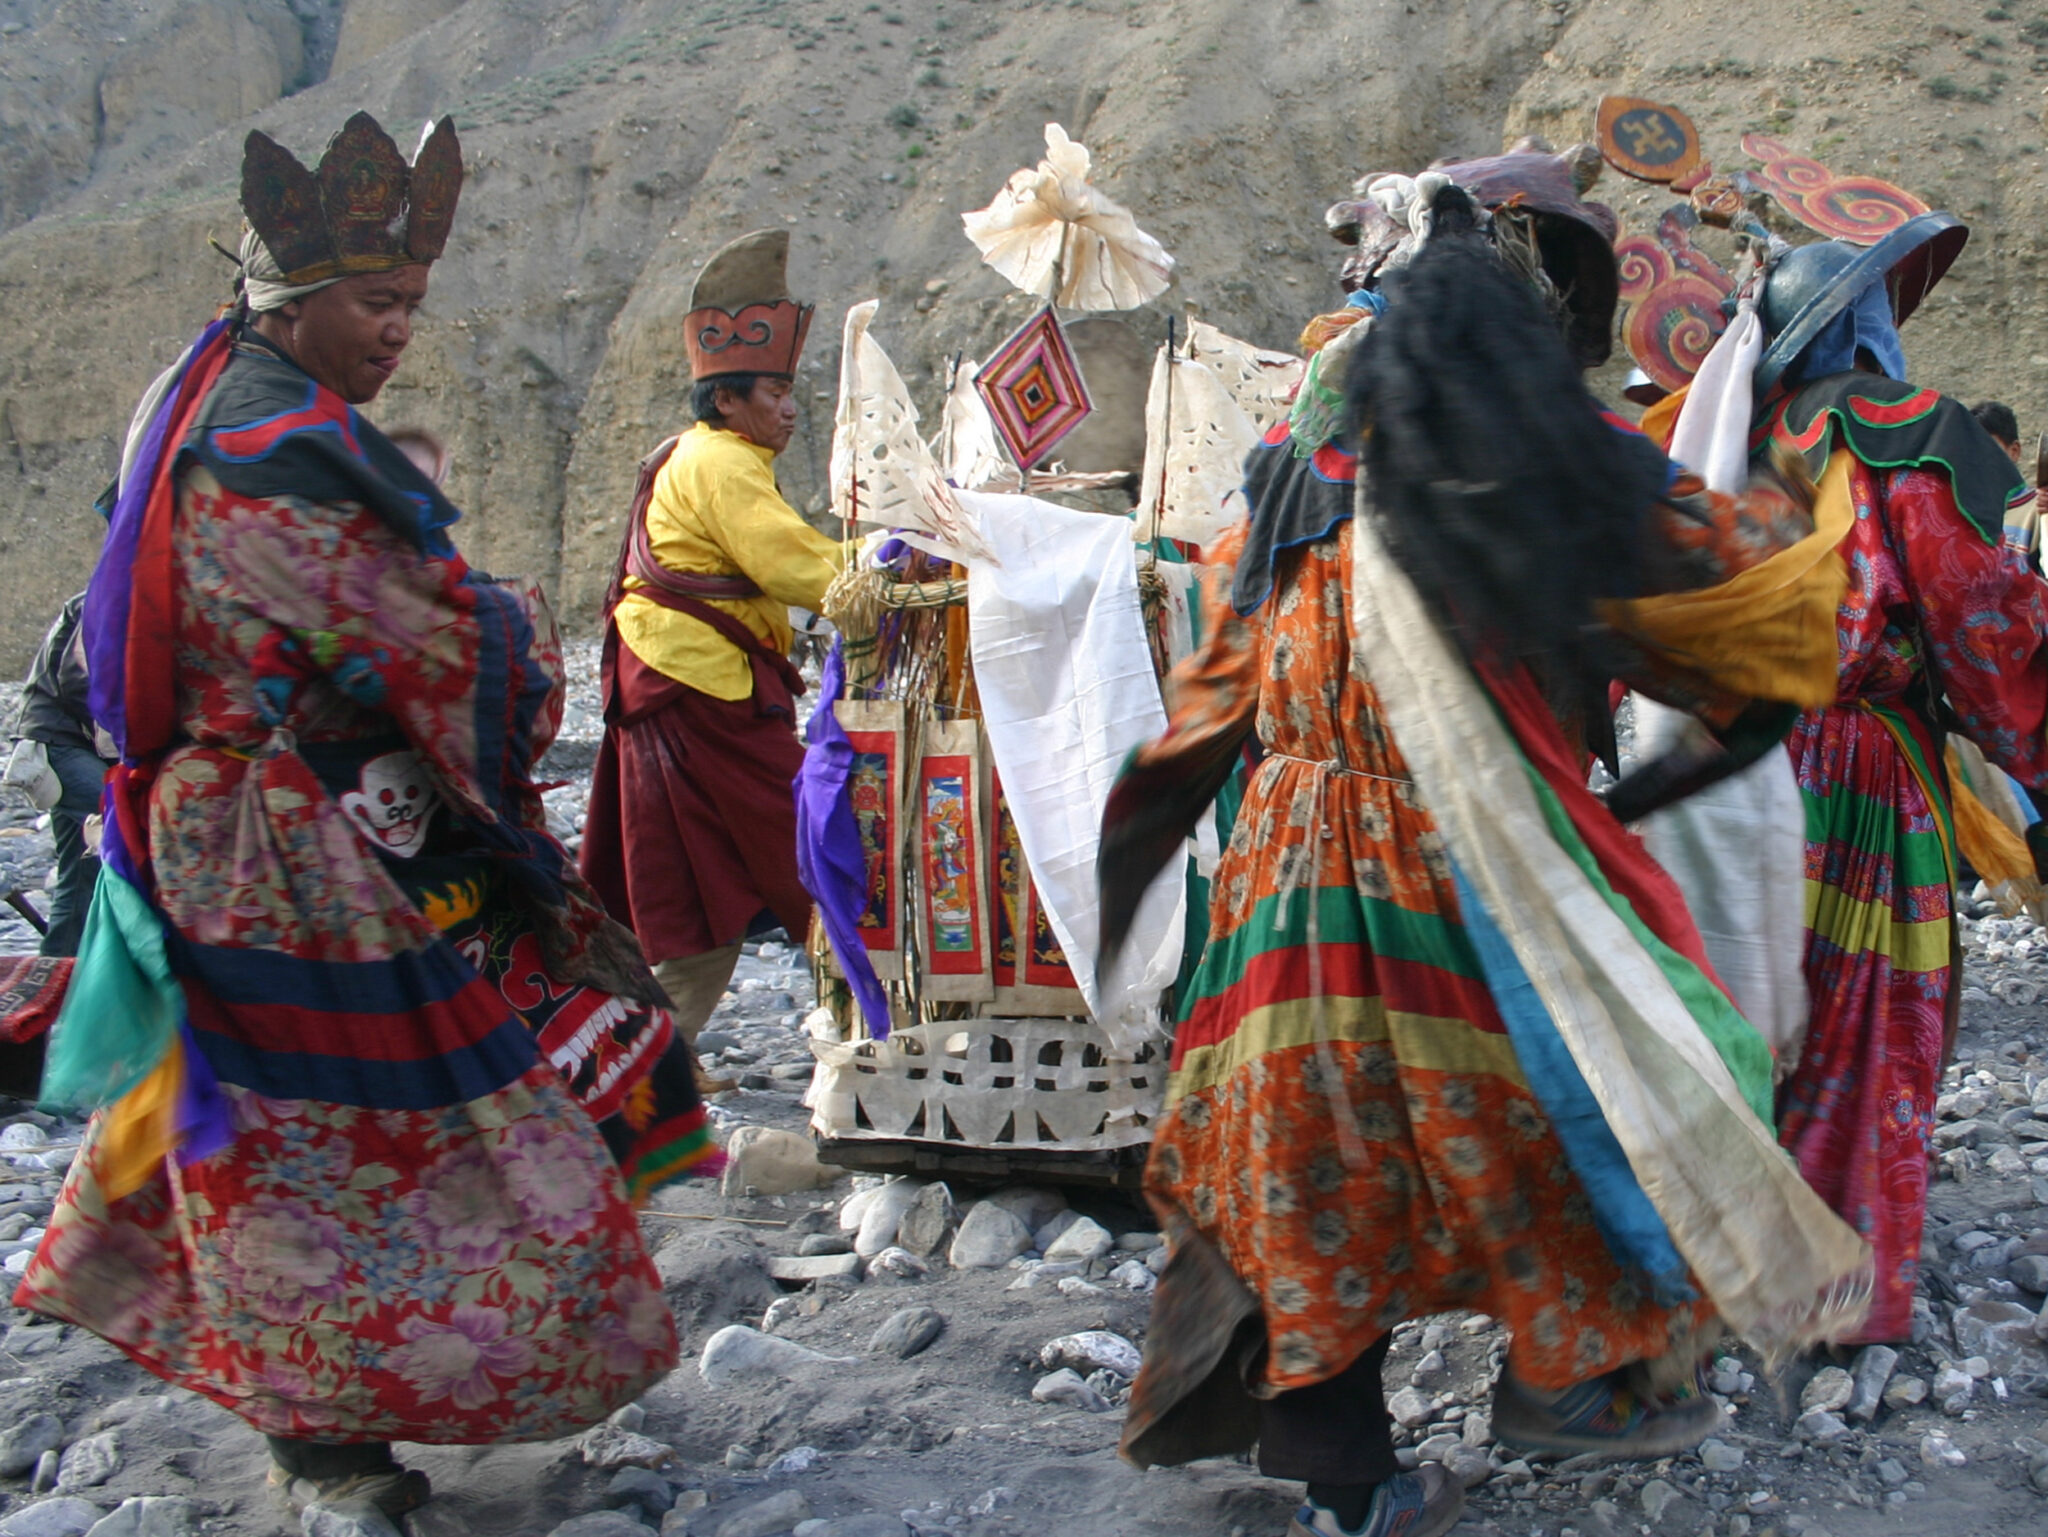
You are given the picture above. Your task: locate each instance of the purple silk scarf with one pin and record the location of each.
(203, 1122)
(828, 853)
(108, 599)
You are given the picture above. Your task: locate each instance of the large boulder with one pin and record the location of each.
(737, 1352)
(711, 1279)
(989, 1238)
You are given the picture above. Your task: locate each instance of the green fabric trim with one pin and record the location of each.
(1853, 430)
(122, 1009)
(1344, 918)
(1904, 421)
(1982, 480)
(1318, 410)
(1195, 933)
(1733, 1038)
(1862, 821)
(1933, 782)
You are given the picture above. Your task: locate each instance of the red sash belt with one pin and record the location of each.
(632, 689)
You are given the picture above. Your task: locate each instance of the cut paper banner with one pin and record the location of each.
(969, 452)
(882, 473)
(1201, 419)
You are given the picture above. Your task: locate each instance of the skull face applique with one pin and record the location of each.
(393, 803)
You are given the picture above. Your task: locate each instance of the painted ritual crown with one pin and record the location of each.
(1676, 299)
(742, 319)
(363, 209)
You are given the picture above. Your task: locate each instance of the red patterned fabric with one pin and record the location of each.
(1925, 592)
(1457, 1193)
(346, 1275)
(31, 993)
(424, 1029)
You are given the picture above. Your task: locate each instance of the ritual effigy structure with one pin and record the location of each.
(1022, 581)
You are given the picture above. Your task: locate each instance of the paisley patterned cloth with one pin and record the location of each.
(435, 1057)
(1338, 968)
(1934, 607)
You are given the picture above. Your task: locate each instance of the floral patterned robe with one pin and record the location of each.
(435, 1056)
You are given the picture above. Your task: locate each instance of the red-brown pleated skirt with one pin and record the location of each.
(691, 834)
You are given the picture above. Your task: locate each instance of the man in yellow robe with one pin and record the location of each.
(691, 837)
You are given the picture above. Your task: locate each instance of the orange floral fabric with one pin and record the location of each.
(1338, 974)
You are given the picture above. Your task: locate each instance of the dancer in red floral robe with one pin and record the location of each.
(1944, 628)
(383, 1082)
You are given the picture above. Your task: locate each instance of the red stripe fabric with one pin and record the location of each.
(1635, 876)
(1895, 413)
(1349, 971)
(455, 1025)
(152, 615)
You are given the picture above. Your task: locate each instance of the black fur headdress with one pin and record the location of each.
(1506, 496)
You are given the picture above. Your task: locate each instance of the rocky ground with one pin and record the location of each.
(915, 1360)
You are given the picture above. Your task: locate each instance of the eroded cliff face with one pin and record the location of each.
(613, 145)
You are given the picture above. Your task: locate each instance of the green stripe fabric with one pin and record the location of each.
(1843, 815)
(1734, 1038)
(1345, 916)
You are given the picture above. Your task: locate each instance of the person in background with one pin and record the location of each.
(1996, 418)
(1943, 631)
(58, 764)
(2023, 512)
(691, 836)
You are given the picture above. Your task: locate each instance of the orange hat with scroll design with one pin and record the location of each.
(742, 319)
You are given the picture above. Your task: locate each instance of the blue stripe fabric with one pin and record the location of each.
(1636, 1236)
(242, 975)
(2026, 803)
(498, 641)
(504, 723)
(451, 1078)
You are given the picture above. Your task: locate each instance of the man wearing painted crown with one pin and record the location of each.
(372, 1061)
(691, 837)
(1944, 629)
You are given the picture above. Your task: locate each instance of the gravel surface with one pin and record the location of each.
(1006, 1421)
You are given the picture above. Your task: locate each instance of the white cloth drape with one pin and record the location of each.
(1738, 851)
(1067, 690)
(1712, 434)
(1738, 848)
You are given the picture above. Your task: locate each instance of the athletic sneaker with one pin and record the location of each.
(1424, 1503)
(1607, 1415)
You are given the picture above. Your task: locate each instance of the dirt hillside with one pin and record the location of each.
(614, 144)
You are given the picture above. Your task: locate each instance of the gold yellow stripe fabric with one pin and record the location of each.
(1431, 1043)
(1854, 927)
(1768, 632)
